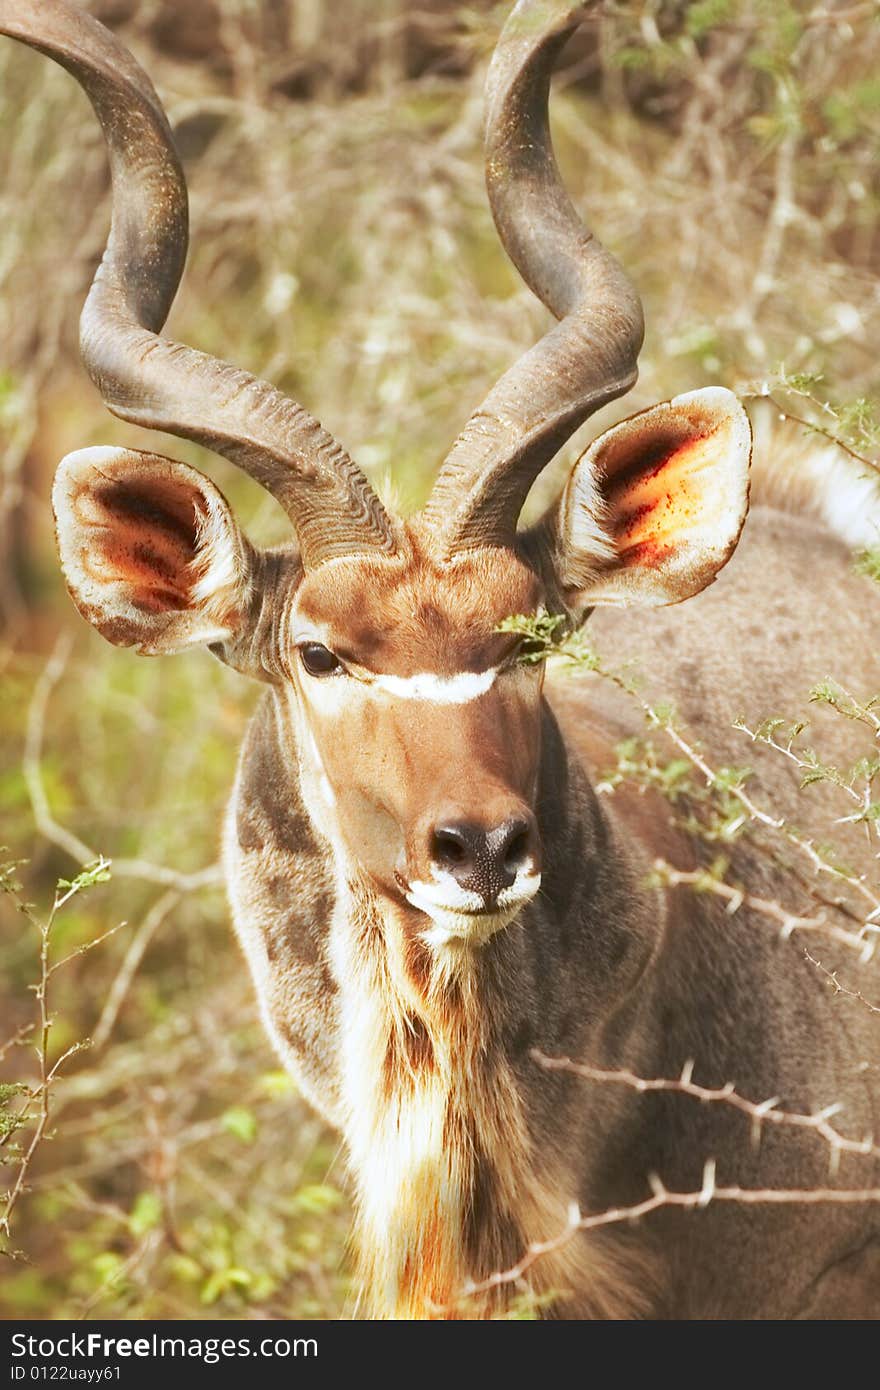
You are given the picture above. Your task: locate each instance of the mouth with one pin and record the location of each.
(462, 925)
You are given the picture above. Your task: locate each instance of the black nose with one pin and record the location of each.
(483, 861)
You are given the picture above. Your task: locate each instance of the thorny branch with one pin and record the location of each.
(789, 922)
(838, 987)
(574, 652)
(834, 433)
(805, 764)
(40, 1096)
(866, 940)
(760, 1112)
(662, 1197)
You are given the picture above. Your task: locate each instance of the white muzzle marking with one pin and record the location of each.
(459, 915)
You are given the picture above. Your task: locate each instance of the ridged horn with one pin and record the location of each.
(590, 356)
(150, 380)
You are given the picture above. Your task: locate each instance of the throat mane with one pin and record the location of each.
(434, 1124)
(451, 1192)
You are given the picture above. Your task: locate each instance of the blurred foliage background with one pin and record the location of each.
(341, 246)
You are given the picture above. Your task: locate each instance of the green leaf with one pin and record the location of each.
(223, 1280)
(98, 872)
(866, 768)
(146, 1213)
(705, 15)
(277, 1083)
(109, 1267)
(732, 778)
(825, 693)
(675, 772)
(847, 111)
(184, 1267)
(868, 562)
(540, 632)
(9, 881)
(801, 381)
(632, 59)
(664, 714)
(317, 1199)
(241, 1122)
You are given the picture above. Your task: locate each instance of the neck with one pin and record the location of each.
(454, 1174)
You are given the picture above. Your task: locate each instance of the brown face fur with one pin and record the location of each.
(417, 735)
(429, 722)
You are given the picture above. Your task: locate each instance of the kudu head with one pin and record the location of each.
(415, 722)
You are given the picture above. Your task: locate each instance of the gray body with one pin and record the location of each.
(604, 970)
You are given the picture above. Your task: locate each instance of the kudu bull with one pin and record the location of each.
(426, 884)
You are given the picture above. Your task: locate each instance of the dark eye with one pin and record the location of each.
(531, 650)
(318, 660)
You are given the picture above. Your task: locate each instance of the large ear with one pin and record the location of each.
(151, 553)
(655, 506)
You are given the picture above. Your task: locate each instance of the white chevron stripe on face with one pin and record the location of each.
(440, 690)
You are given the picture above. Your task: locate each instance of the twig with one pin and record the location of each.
(789, 922)
(86, 946)
(45, 821)
(834, 982)
(763, 391)
(43, 1091)
(662, 1197)
(819, 861)
(760, 1112)
(817, 429)
(788, 750)
(783, 210)
(18, 1036)
(131, 961)
(847, 16)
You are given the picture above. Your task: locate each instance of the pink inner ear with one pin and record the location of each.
(658, 493)
(142, 533)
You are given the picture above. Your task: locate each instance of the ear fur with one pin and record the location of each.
(655, 506)
(151, 553)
